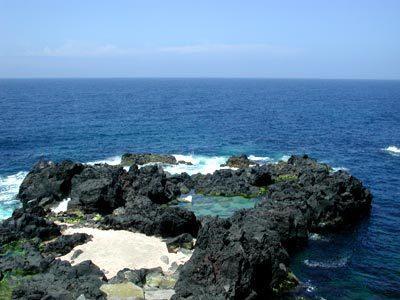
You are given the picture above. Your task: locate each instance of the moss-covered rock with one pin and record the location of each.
(122, 291)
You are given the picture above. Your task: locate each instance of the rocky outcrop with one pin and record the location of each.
(129, 159)
(240, 161)
(65, 243)
(141, 214)
(246, 256)
(26, 224)
(152, 182)
(226, 182)
(49, 180)
(62, 281)
(97, 189)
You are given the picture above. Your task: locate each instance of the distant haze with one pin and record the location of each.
(275, 39)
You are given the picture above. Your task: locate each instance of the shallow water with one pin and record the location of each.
(348, 124)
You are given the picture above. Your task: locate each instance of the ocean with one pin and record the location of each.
(349, 124)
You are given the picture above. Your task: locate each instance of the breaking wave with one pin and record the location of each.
(333, 264)
(392, 150)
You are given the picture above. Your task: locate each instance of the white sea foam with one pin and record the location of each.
(335, 169)
(317, 237)
(62, 206)
(333, 264)
(261, 159)
(9, 186)
(199, 164)
(392, 150)
(112, 161)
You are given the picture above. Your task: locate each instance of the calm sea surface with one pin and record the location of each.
(349, 124)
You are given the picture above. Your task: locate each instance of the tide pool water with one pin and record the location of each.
(349, 124)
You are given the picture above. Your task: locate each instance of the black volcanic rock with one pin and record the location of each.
(246, 256)
(65, 243)
(240, 260)
(240, 161)
(143, 215)
(97, 189)
(47, 179)
(62, 281)
(25, 224)
(226, 182)
(129, 159)
(152, 182)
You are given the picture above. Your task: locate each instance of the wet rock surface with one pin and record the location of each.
(245, 256)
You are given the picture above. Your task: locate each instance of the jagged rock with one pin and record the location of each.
(225, 182)
(152, 182)
(233, 261)
(62, 281)
(97, 189)
(27, 223)
(65, 243)
(48, 179)
(240, 161)
(141, 214)
(129, 159)
(246, 256)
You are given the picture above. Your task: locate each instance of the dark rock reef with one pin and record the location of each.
(129, 159)
(245, 256)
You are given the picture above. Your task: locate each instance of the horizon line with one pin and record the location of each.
(200, 77)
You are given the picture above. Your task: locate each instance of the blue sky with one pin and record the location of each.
(274, 39)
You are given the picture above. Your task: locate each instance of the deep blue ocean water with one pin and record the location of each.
(347, 123)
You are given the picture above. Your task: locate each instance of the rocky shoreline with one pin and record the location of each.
(245, 256)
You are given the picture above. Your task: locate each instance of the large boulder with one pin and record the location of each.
(49, 180)
(27, 224)
(143, 215)
(62, 281)
(152, 182)
(97, 189)
(239, 259)
(129, 159)
(240, 161)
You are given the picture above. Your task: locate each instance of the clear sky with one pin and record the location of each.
(218, 38)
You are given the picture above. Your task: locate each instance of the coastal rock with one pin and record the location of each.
(122, 291)
(233, 261)
(129, 159)
(152, 182)
(184, 240)
(225, 182)
(62, 281)
(48, 179)
(142, 214)
(97, 189)
(27, 223)
(246, 256)
(240, 161)
(65, 243)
